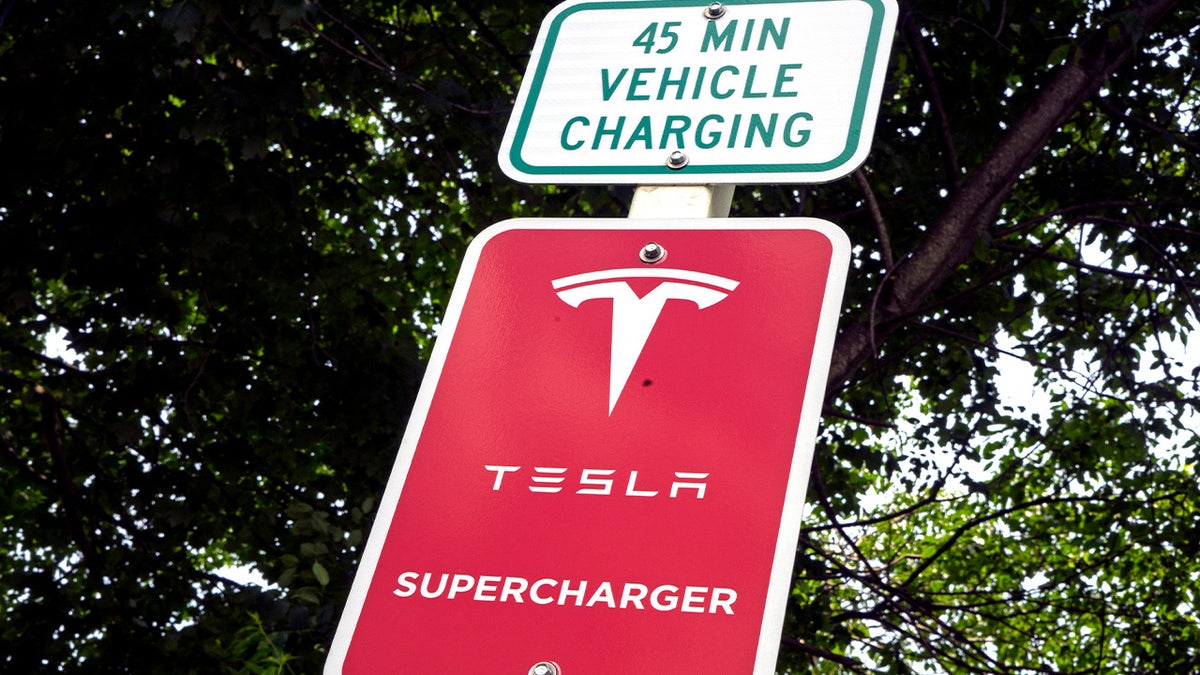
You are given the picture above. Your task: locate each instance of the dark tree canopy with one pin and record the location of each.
(227, 231)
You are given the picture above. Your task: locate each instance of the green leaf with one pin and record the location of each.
(319, 571)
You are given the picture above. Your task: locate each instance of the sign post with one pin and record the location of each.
(607, 459)
(605, 467)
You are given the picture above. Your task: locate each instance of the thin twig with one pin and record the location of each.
(885, 241)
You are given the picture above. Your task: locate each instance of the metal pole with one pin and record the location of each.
(681, 201)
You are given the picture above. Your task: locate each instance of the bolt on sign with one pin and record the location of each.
(680, 92)
(605, 467)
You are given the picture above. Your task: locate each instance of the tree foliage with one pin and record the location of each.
(227, 230)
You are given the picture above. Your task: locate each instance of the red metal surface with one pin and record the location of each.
(674, 584)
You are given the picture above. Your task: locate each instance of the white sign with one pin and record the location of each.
(657, 92)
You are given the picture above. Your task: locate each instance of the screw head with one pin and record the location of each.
(652, 253)
(715, 10)
(544, 668)
(677, 160)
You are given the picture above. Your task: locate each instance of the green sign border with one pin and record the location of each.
(878, 12)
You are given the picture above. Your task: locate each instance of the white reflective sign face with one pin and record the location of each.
(768, 92)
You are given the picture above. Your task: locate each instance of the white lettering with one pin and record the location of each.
(693, 599)
(603, 486)
(667, 603)
(487, 585)
(723, 598)
(570, 592)
(577, 593)
(533, 591)
(461, 582)
(500, 471)
(513, 588)
(631, 491)
(407, 585)
(425, 586)
(548, 479)
(683, 485)
(604, 593)
(553, 479)
(634, 594)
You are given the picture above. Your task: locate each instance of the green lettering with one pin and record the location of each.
(782, 78)
(699, 82)
(601, 132)
(764, 132)
(716, 80)
(801, 135)
(668, 33)
(567, 129)
(676, 125)
(646, 38)
(749, 34)
(746, 91)
(640, 133)
(609, 88)
(713, 137)
(779, 35)
(725, 37)
(668, 82)
(638, 80)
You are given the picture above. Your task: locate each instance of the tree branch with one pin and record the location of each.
(23, 466)
(912, 35)
(1176, 137)
(491, 37)
(793, 643)
(51, 430)
(50, 361)
(973, 208)
(885, 242)
(1000, 513)
(1079, 264)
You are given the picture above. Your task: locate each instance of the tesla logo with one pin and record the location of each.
(552, 479)
(633, 317)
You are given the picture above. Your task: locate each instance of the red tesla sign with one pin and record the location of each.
(606, 463)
